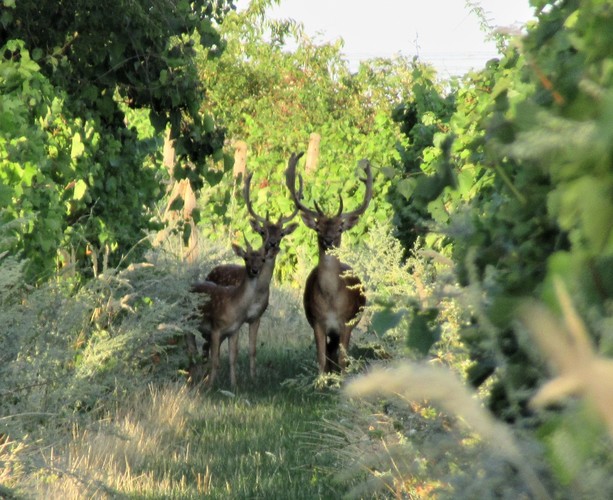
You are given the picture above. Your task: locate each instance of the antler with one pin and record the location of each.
(246, 196)
(282, 219)
(367, 195)
(290, 180)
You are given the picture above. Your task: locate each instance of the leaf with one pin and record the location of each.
(177, 204)
(77, 146)
(422, 334)
(80, 189)
(209, 124)
(385, 320)
(406, 187)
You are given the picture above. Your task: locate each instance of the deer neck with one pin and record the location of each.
(245, 292)
(328, 272)
(266, 274)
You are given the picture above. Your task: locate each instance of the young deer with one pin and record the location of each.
(231, 274)
(333, 297)
(224, 311)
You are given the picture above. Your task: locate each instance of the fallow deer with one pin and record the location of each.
(333, 296)
(231, 274)
(224, 311)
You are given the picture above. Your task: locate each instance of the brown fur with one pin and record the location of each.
(333, 297)
(231, 274)
(225, 309)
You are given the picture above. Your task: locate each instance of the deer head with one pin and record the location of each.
(254, 259)
(329, 228)
(271, 232)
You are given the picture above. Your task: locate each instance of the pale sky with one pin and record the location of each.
(442, 32)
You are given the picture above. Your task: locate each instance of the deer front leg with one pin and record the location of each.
(214, 358)
(253, 339)
(233, 355)
(344, 348)
(320, 344)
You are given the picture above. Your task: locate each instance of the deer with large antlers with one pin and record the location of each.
(231, 274)
(333, 296)
(224, 311)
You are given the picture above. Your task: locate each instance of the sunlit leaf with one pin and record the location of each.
(80, 188)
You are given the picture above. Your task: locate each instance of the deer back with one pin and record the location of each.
(226, 306)
(227, 274)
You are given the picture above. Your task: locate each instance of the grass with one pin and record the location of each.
(168, 441)
(143, 434)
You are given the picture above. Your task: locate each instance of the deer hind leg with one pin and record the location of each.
(332, 352)
(194, 368)
(233, 355)
(215, 340)
(320, 345)
(253, 340)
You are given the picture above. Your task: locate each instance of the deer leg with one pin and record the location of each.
(344, 348)
(233, 355)
(194, 368)
(332, 352)
(192, 348)
(214, 357)
(253, 339)
(320, 344)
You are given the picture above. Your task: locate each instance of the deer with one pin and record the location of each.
(224, 311)
(231, 274)
(333, 295)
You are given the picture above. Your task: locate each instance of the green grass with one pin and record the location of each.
(168, 441)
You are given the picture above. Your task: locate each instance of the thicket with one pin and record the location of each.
(514, 183)
(76, 172)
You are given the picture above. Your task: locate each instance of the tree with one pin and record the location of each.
(273, 87)
(95, 73)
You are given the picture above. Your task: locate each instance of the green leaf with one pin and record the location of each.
(163, 77)
(406, 187)
(208, 124)
(80, 189)
(77, 148)
(423, 331)
(385, 320)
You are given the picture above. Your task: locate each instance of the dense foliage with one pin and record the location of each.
(498, 188)
(529, 199)
(75, 171)
(274, 99)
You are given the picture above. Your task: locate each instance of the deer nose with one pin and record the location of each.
(328, 243)
(253, 272)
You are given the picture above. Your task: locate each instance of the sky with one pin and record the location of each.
(442, 32)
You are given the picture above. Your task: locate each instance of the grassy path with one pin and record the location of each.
(260, 445)
(165, 441)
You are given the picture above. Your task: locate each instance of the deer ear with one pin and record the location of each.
(238, 250)
(256, 227)
(289, 229)
(309, 220)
